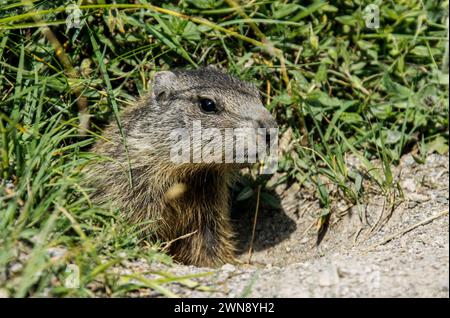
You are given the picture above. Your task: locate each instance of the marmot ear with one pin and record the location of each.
(163, 83)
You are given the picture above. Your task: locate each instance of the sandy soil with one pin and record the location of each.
(376, 249)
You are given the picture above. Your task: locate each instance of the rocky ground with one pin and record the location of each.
(392, 245)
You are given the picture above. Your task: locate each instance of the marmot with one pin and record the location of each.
(186, 204)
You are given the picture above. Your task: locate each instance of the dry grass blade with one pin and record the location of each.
(255, 219)
(408, 229)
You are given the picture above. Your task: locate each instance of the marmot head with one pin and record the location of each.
(209, 99)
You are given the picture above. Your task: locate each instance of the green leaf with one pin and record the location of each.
(191, 32)
(283, 9)
(391, 136)
(270, 200)
(423, 51)
(439, 145)
(206, 4)
(319, 97)
(396, 89)
(347, 20)
(382, 111)
(323, 193)
(350, 118)
(309, 10)
(245, 193)
(321, 74)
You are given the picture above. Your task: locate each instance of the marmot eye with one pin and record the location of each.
(207, 105)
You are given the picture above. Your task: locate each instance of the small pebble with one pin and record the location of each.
(15, 268)
(409, 185)
(228, 268)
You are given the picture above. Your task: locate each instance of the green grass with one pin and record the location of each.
(335, 87)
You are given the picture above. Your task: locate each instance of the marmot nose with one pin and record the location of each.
(266, 121)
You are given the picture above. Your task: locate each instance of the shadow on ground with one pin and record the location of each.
(273, 224)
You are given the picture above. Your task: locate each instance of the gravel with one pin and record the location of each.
(355, 258)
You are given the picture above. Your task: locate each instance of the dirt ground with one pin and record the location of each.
(375, 249)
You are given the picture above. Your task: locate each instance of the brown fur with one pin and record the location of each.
(189, 200)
